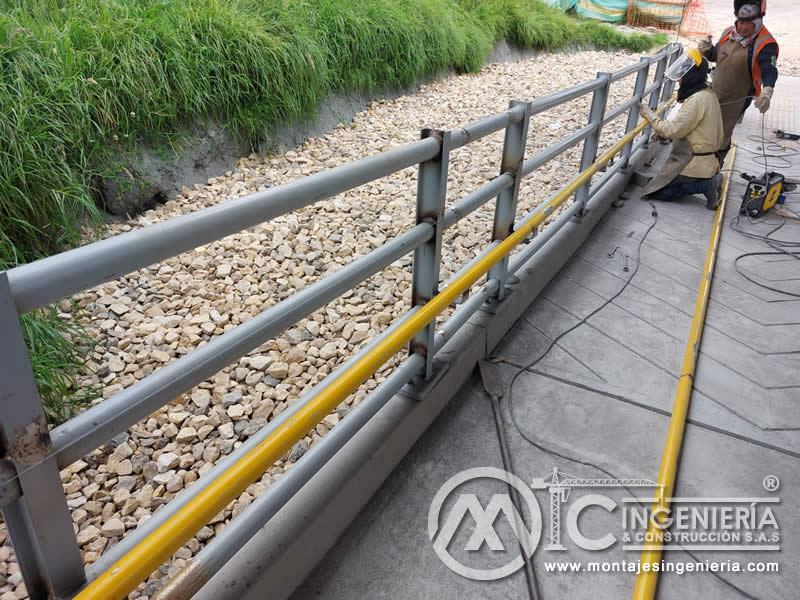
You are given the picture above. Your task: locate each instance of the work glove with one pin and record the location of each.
(704, 46)
(762, 101)
(647, 112)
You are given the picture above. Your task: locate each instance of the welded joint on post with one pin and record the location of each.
(431, 201)
(511, 163)
(31, 444)
(438, 135)
(578, 217)
(10, 488)
(518, 111)
(493, 303)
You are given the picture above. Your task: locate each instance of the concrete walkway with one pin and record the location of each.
(603, 396)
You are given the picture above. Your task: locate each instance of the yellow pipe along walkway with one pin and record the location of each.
(646, 581)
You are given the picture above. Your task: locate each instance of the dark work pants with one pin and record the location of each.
(682, 186)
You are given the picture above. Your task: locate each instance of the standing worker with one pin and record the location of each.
(746, 56)
(696, 133)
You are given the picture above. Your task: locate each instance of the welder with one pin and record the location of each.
(696, 132)
(746, 56)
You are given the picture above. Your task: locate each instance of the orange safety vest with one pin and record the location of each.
(764, 38)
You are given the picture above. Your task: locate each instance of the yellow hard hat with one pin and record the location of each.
(695, 54)
(688, 60)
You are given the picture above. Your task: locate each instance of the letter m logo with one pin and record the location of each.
(484, 523)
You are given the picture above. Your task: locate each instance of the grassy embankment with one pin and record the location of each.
(83, 80)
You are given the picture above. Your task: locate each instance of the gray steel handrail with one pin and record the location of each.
(37, 284)
(50, 279)
(96, 426)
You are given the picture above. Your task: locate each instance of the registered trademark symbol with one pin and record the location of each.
(771, 483)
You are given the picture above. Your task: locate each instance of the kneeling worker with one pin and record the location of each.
(696, 133)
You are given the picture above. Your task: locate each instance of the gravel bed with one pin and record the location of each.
(153, 316)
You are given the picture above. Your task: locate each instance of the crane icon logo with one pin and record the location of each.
(484, 519)
(559, 487)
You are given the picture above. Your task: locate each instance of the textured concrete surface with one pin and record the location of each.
(603, 396)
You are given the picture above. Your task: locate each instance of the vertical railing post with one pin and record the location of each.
(633, 113)
(596, 115)
(669, 86)
(661, 67)
(506, 207)
(431, 195)
(39, 521)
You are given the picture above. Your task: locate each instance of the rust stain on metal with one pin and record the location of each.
(419, 348)
(438, 135)
(186, 583)
(31, 444)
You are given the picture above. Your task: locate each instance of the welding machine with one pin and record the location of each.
(762, 193)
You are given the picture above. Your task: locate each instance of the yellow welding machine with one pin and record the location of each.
(761, 194)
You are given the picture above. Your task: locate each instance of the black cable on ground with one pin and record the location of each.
(758, 283)
(576, 460)
(532, 583)
(776, 244)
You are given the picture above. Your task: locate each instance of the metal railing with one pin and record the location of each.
(31, 494)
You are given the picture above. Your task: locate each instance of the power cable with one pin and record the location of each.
(540, 446)
(762, 285)
(777, 245)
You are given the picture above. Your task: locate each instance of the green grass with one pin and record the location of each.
(57, 350)
(83, 81)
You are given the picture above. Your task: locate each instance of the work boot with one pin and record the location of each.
(712, 193)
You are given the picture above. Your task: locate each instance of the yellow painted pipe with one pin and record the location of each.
(646, 581)
(120, 579)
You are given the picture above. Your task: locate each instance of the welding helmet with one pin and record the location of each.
(747, 10)
(690, 59)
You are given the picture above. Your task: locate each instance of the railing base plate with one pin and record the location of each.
(418, 389)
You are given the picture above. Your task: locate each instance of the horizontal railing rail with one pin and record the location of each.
(22, 289)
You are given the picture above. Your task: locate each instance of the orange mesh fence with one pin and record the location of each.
(688, 15)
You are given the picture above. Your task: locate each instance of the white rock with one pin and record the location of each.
(278, 370)
(88, 535)
(164, 478)
(264, 410)
(259, 362)
(167, 461)
(236, 411)
(186, 434)
(160, 356)
(226, 430)
(201, 398)
(113, 527)
(119, 309)
(124, 467)
(328, 351)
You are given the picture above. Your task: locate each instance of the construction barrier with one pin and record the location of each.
(612, 11)
(687, 16)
